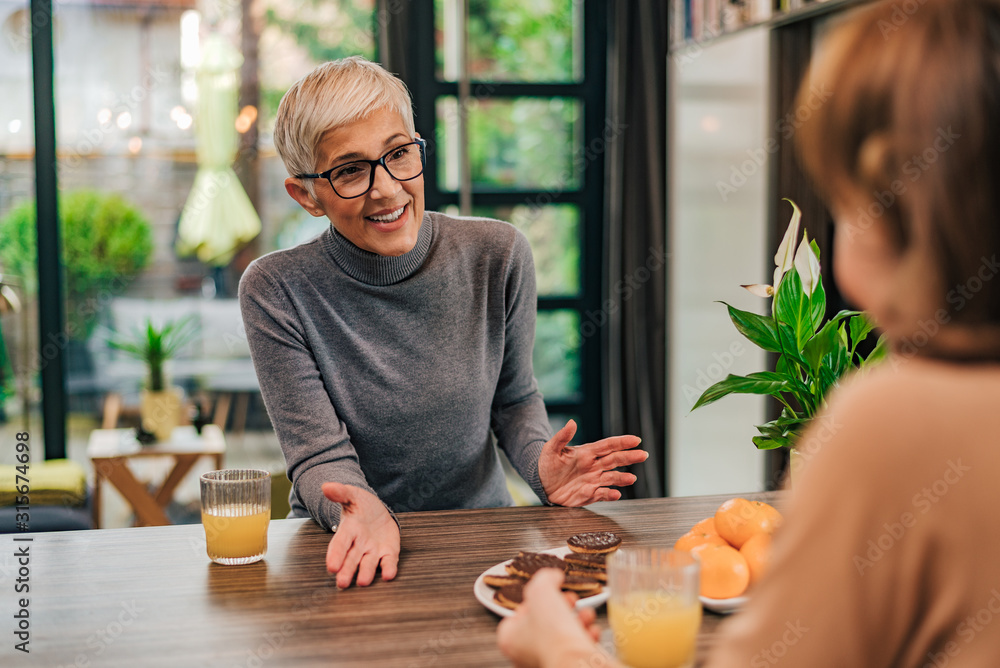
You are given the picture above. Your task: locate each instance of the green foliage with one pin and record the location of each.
(105, 241)
(324, 30)
(155, 345)
(812, 355)
(511, 40)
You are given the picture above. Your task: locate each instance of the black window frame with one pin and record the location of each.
(590, 91)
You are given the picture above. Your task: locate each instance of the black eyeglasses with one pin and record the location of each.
(356, 178)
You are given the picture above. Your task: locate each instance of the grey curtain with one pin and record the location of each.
(635, 235)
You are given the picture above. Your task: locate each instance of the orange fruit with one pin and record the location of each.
(757, 552)
(694, 538)
(724, 571)
(738, 519)
(707, 525)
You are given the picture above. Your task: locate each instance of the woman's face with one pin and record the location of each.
(385, 220)
(865, 261)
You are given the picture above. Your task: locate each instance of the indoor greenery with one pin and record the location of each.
(813, 355)
(105, 240)
(154, 345)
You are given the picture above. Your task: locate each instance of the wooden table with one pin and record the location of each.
(150, 597)
(111, 450)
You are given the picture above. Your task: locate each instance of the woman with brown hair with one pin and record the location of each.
(889, 555)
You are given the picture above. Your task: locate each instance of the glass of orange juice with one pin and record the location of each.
(235, 511)
(654, 609)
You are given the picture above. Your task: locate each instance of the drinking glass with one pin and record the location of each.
(235, 510)
(654, 609)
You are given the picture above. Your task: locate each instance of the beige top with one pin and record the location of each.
(890, 555)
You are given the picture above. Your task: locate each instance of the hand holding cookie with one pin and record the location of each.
(583, 474)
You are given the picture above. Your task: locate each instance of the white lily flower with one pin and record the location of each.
(784, 259)
(807, 265)
(759, 289)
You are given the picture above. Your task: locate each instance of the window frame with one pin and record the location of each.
(590, 91)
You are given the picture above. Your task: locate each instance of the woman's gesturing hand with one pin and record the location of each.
(366, 537)
(578, 475)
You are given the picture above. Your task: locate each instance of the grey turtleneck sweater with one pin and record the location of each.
(388, 373)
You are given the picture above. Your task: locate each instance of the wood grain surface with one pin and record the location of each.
(149, 596)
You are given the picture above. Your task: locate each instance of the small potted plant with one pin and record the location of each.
(160, 405)
(813, 355)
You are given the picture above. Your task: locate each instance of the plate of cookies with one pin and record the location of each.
(500, 587)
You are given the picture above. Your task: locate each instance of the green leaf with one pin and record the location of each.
(762, 382)
(764, 443)
(878, 353)
(817, 307)
(789, 347)
(860, 326)
(820, 345)
(792, 307)
(759, 329)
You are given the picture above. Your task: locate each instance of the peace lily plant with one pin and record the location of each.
(812, 355)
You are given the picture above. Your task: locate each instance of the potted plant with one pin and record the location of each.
(160, 403)
(106, 242)
(813, 355)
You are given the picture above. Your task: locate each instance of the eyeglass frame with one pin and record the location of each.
(422, 143)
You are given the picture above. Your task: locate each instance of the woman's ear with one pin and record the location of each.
(298, 193)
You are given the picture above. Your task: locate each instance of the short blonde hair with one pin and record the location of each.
(332, 95)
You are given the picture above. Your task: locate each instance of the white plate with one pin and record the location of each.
(724, 606)
(484, 592)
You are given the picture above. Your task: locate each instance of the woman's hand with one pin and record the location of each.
(366, 537)
(578, 475)
(545, 631)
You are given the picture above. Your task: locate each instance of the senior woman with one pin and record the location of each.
(391, 346)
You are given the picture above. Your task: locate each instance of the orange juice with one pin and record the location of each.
(235, 537)
(654, 629)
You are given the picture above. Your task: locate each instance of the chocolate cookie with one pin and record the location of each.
(584, 560)
(528, 564)
(496, 581)
(510, 596)
(598, 574)
(581, 585)
(597, 542)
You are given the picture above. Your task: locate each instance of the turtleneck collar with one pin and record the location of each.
(372, 268)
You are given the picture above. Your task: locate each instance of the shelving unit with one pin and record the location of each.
(790, 28)
(721, 18)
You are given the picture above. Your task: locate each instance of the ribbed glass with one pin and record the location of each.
(654, 611)
(235, 511)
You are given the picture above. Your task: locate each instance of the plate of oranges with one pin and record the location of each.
(734, 547)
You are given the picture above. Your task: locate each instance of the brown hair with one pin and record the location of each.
(910, 138)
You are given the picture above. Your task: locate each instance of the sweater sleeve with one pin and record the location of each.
(314, 440)
(518, 416)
